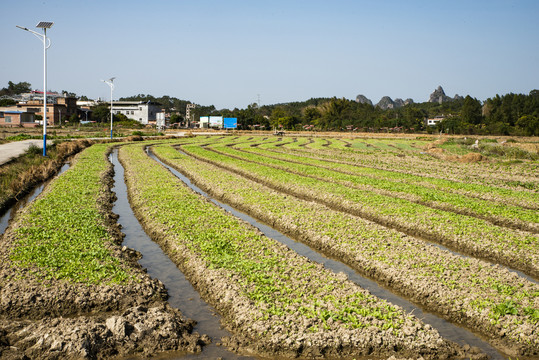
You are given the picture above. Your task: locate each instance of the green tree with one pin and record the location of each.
(529, 124)
(19, 88)
(281, 118)
(311, 115)
(337, 113)
(450, 125)
(7, 102)
(14, 89)
(175, 118)
(471, 111)
(101, 113)
(73, 118)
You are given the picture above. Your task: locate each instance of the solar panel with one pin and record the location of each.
(44, 24)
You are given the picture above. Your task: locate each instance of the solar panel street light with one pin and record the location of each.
(110, 82)
(44, 24)
(46, 44)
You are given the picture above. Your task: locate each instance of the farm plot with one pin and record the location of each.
(398, 186)
(522, 198)
(487, 299)
(274, 300)
(477, 237)
(509, 175)
(68, 290)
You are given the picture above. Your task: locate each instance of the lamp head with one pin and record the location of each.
(44, 24)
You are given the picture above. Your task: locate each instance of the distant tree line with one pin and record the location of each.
(510, 114)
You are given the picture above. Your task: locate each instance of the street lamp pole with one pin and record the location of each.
(110, 83)
(43, 25)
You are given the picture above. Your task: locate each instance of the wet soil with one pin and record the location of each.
(53, 319)
(446, 329)
(181, 293)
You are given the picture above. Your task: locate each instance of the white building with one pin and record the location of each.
(145, 112)
(434, 121)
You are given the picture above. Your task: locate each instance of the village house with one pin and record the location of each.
(10, 117)
(58, 107)
(145, 112)
(435, 120)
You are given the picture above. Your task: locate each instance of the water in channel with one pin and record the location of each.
(182, 295)
(448, 330)
(27, 199)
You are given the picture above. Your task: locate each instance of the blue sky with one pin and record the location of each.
(227, 53)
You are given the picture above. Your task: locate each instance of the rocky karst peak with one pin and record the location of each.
(362, 99)
(386, 103)
(439, 96)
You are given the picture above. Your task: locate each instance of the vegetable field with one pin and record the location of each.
(67, 288)
(451, 230)
(458, 238)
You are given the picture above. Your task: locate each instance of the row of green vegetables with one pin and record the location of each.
(517, 206)
(476, 180)
(470, 235)
(393, 145)
(422, 184)
(480, 180)
(512, 176)
(63, 235)
(285, 295)
(466, 290)
(525, 219)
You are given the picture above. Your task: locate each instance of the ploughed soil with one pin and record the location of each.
(56, 319)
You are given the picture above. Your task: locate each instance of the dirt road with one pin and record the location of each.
(17, 148)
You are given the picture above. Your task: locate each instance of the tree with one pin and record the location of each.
(175, 118)
(73, 118)
(19, 88)
(450, 125)
(280, 118)
(336, 113)
(101, 113)
(529, 124)
(7, 102)
(413, 118)
(15, 89)
(471, 111)
(311, 115)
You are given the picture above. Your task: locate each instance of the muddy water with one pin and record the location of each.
(446, 329)
(181, 294)
(10, 213)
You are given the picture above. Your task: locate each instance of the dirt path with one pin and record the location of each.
(17, 148)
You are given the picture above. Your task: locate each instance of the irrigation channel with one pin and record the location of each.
(10, 213)
(446, 329)
(181, 293)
